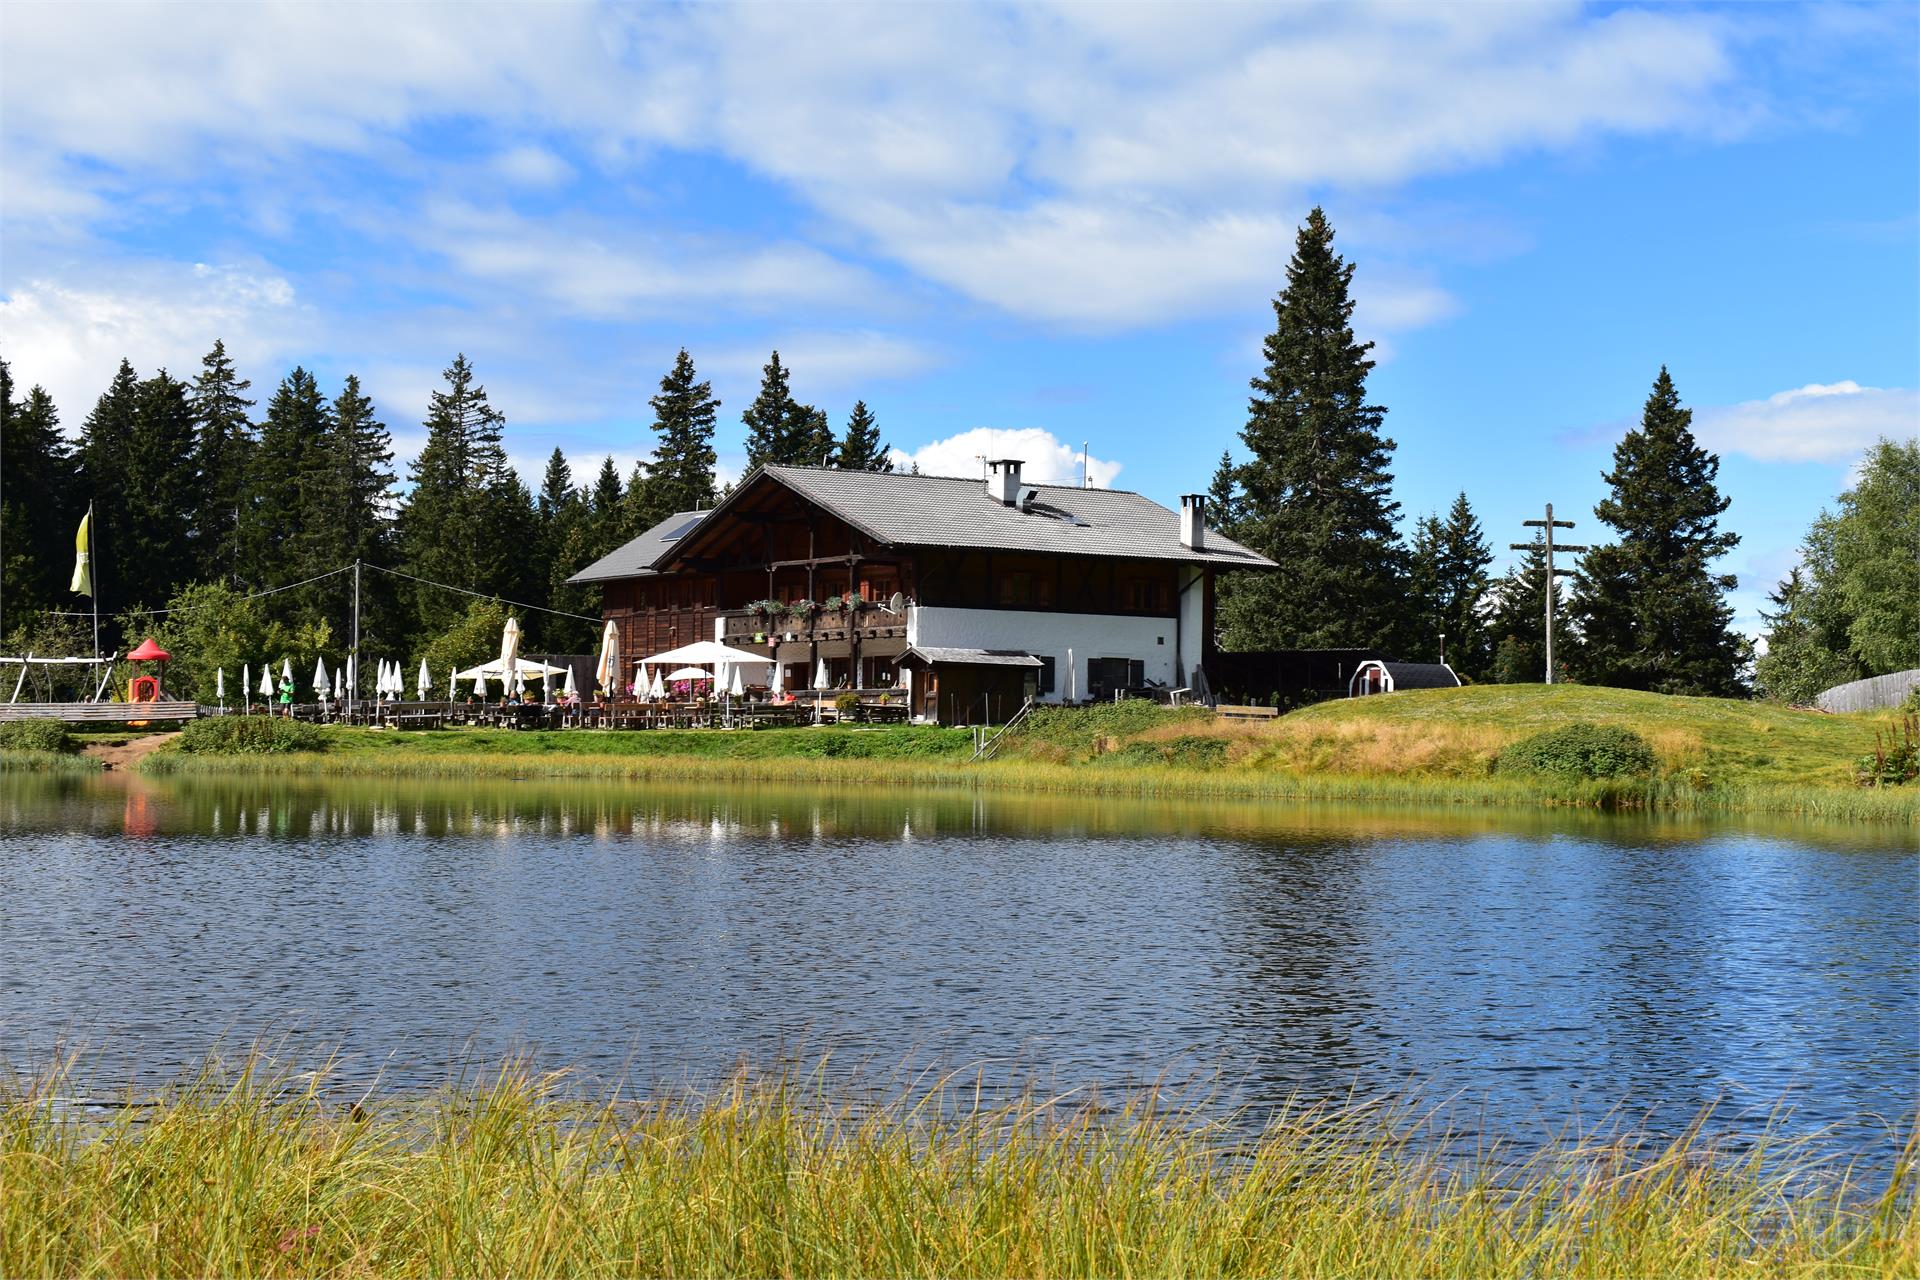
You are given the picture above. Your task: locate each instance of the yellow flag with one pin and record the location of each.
(83, 557)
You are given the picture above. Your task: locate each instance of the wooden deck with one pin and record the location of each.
(99, 712)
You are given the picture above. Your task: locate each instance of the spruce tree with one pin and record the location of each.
(1806, 646)
(772, 418)
(223, 445)
(1223, 496)
(861, 449)
(814, 443)
(37, 521)
(1455, 607)
(360, 456)
(162, 493)
(101, 479)
(1316, 480)
(1648, 611)
(1517, 626)
(452, 525)
(680, 476)
(292, 512)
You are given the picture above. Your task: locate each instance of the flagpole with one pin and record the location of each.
(92, 542)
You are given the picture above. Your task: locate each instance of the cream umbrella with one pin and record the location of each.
(480, 684)
(606, 672)
(421, 682)
(510, 651)
(321, 684)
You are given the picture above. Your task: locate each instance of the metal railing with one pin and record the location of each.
(984, 745)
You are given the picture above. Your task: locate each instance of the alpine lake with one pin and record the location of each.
(1528, 973)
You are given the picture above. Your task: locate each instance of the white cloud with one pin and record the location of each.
(531, 166)
(70, 339)
(1075, 164)
(1047, 459)
(1829, 422)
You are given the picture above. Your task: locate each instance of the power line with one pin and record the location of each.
(479, 595)
(196, 608)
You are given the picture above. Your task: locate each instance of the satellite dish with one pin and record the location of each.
(896, 602)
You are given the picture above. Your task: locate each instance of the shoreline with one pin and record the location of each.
(1093, 779)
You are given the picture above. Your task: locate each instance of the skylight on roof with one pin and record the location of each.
(681, 530)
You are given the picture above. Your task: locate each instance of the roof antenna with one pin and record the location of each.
(1083, 464)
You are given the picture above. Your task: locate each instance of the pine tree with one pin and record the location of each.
(680, 476)
(771, 418)
(1223, 496)
(1517, 627)
(36, 517)
(556, 489)
(816, 445)
(162, 492)
(453, 526)
(1426, 616)
(1316, 479)
(1805, 646)
(1449, 585)
(360, 457)
(101, 480)
(1648, 611)
(861, 449)
(292, 510)
(223, 445)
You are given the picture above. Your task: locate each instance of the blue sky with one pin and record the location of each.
(1008, 228)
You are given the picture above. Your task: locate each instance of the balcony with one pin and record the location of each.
(741, 626)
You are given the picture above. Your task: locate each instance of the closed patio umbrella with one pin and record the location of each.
(641, 682)
(571, 690)
(339, 685)
(480, 684)
(246, 683)
(659, 689)
(425, 679)
(286, 668)
(820, 675)
(220, 685)
(266, 680)
(510, 651)
(321, 684)
(450, 691)
(736, 688)
(606, 672)
(779, 677)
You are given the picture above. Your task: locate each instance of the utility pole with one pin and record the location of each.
(1549, 524)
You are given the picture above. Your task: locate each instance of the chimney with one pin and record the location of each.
(1193, 521)
(1004, 483)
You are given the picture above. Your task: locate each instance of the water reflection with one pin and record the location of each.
(1540, 966)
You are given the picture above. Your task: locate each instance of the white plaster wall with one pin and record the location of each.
(1149, 641)
(1193, 619)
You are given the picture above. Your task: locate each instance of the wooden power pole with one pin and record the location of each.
(1549, 524)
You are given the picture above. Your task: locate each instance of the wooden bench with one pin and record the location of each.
(100, 712)
(1246, 713)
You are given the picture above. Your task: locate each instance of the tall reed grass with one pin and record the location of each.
(266, 1172)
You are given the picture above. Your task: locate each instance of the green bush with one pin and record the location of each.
(1580, 751)
(250, 736)
(35, 735)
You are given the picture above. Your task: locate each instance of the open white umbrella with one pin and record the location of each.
(820, 675)
(736, 689)
(321, 684)
(688, 673)
(606, 672)
(266, 680)
(659, 689)
(421, 682)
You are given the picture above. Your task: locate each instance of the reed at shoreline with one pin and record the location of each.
(267, 1172)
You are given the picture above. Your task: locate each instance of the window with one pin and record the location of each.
(1046, 675)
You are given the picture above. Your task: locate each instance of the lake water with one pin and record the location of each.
(1539, 969)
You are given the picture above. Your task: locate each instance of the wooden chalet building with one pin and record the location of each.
(965, 596)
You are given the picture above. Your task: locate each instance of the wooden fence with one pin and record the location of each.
(1875, 693)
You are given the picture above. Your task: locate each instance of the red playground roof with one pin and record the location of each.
(149, 652)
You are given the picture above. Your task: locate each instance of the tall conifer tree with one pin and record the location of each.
(457, 522)
(1649, 612)
(772, 420)
(223, 447)
(1517, 627)
(1317, 479)
(162, 493)
(292, 510)
(101, 462)
(37, 520)
(1448, 582)
(680, 476)
(1223, 496)
(862, 449)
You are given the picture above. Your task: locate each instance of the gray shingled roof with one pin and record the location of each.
(1421, 675)
(942, 511)
(636, 558)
